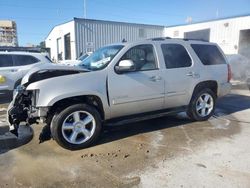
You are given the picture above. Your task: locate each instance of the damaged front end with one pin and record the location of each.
(22, 109)
(24, 106)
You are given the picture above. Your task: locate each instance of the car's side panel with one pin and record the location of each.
(58, 88)
(179, 82)
(135, 92)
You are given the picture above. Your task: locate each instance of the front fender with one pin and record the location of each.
(55, 89)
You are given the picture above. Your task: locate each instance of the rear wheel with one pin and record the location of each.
(76, 127)
(202, 105)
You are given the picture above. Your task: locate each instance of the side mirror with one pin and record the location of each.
(125, 66)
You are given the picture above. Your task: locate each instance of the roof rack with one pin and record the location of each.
(159, 38)
(20, 49)
(203, 40)
(185, 39)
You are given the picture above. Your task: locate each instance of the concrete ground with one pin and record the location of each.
(164, 152)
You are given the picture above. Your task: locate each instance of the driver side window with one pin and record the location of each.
(142, 56)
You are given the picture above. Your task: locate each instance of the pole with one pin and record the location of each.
(84, 9)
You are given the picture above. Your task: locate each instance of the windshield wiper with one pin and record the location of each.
(84, 66)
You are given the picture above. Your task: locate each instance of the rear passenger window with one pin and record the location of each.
(20, 60)
(175, 56)
(208, 54)
(6, 61)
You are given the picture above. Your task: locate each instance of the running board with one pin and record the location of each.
(144, 116)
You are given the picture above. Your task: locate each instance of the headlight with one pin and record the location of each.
(35, 96)
(2, 79)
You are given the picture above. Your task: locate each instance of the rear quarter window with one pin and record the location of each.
(208, 54)
(21, 60)
(6, 61)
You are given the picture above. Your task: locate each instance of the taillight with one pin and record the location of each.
(229, 73)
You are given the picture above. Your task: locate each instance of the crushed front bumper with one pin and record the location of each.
(18, 109)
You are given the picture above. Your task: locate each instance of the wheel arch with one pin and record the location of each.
(211, 84)
(17, 83)
(92, 100)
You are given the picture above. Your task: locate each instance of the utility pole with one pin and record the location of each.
(217, 13)
(84, 9)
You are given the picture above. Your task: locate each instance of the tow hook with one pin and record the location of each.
(16, 125)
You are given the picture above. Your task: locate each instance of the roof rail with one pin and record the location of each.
(20, 49)
(159, 38)
(203, 40)
(185, 39)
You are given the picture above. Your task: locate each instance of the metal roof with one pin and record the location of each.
(108, 21)
(210, 20)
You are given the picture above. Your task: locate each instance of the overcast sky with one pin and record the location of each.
(36, 18)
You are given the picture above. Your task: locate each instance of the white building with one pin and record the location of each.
(79, 36)
(232, 34)
(8, 33)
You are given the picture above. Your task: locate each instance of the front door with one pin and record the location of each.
(141, 90)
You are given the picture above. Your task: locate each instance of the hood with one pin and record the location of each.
(46, 71)
(70, 62)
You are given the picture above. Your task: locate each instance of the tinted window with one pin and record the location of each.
(175, 56)
(6, 61)
(208, 54)
(20, 60)
(142, 56)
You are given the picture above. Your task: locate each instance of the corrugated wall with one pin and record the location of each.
(93, 34)
(225, 32)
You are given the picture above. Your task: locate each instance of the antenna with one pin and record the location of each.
(84, 9)
(217, 13)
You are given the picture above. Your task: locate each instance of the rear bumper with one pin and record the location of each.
(224, 89)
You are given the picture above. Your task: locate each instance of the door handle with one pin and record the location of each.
(193, 74)
(13, 70)
(190, 74)
(155, 78)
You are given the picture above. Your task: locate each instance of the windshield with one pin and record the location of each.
(101, 57)
(81, 58)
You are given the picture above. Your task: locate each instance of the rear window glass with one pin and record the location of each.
(175, 56)
(6, 61)
(20, 60)
(208, 54)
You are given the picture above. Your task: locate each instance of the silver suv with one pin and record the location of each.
(122, 83)
(15, 64)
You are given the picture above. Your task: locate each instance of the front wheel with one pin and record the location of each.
(202, 105)
(76, 127)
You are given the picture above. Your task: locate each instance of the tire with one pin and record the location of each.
(199, 109)
(76, 127)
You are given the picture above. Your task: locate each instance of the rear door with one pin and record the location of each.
(23, 63)
(139, 91)
(8, 71)
(180, 74)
